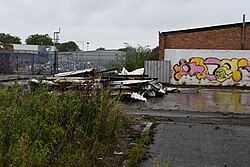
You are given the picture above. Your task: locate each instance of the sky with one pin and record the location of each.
(112, 24)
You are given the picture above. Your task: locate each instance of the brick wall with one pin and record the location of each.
(219, 39)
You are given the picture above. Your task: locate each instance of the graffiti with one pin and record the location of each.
(224, 68)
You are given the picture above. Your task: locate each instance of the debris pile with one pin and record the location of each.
(133, 85)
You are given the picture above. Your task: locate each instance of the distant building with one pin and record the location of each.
(18, 58)
(6, 58)
(36, 53)
(221, 37)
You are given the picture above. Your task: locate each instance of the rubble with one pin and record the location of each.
(133, 84)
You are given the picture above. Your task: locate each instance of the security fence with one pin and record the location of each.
(100, 59)
(34, 62)
(26, 62)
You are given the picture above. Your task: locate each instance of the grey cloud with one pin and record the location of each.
(109, 23)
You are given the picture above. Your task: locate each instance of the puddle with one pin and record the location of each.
(206, 100)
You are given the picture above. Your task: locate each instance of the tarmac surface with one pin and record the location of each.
(210, 127)
(191, 145)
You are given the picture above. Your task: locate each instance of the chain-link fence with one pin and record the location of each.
(26, 62)
(100, 60)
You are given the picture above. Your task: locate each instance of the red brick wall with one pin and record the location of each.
(247, 38)
(219, 39)
(161, 46)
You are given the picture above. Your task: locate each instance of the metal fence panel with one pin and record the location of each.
(101, 59)
(158, 69)
(25, 62)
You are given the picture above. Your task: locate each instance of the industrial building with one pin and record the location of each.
(215, 55)
(222, 37)
(24, 59)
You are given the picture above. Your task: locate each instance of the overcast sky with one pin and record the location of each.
(110, 23)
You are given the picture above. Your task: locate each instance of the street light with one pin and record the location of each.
(82, 44)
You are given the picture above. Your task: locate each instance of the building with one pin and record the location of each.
(25, 59)
(5, 58)
(221, 37)
(216, 55)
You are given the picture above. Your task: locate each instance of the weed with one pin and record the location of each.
(72, 128)
(137, 152)
(184, 83)
(159, 161)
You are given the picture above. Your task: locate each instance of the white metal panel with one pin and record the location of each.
(20, 47)
(158, 69)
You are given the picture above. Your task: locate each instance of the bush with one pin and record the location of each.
(43, 128)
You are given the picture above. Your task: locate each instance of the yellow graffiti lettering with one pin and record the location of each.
(237, 76)
(226, 70)
(178, 75)
(242, 62)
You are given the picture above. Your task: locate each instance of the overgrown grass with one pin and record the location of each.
(43, 128)
(137, 152)
(159, 161)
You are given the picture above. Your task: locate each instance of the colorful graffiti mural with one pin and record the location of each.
(224, 68)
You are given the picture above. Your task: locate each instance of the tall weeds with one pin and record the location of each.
(42, 128)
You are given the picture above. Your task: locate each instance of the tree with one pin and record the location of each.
(101, 48)
(67, 47)
(135, 57)
(38, 39)
(155, 54)
(7, 38)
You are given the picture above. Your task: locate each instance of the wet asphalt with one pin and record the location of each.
(209, 127)
(199, 145)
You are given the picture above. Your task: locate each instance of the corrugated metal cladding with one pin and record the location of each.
(158, 69)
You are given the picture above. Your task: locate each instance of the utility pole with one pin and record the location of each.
(243, 32)
(56, 39)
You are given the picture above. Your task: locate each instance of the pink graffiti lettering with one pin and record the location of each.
(224, 68)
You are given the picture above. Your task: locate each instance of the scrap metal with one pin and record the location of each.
(133, 84)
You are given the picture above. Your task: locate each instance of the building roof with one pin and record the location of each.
(204, 29)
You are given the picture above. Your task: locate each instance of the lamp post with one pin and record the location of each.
(82, 44)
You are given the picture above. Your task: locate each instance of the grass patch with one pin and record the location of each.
(159, 161)
(137, 152)
(72, 128)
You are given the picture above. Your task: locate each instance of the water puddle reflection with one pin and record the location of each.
(207, 100)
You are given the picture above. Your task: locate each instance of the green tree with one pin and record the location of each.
(135, 56)
(38, 39)
(155, 54)
(101, 48)
(7, 38)
(67, 47)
